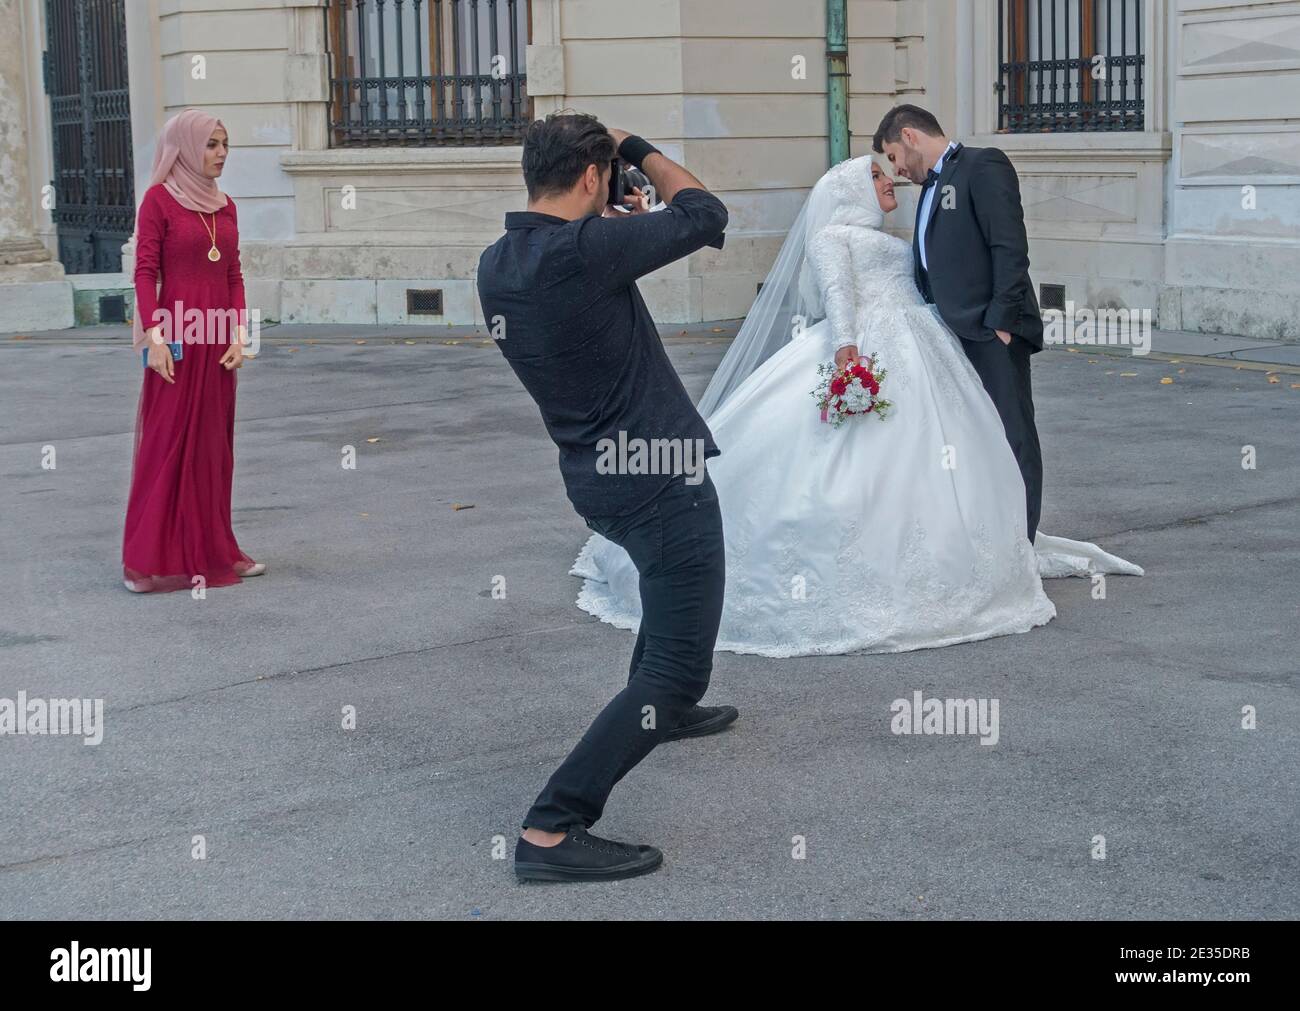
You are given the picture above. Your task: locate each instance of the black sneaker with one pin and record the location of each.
(583, 857)
(700, 721)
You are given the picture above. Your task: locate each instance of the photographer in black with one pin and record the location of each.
(559, 291)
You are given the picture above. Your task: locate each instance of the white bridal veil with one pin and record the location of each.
(791, 296)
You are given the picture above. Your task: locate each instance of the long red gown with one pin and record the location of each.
(178, 514)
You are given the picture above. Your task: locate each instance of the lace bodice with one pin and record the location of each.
(863, 274)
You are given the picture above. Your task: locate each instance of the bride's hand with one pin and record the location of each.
(845, 355)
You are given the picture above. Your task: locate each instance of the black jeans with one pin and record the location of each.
(675, 541)
(1004, 371)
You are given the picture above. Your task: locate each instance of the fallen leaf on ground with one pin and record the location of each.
(1128, 373)
(458, 507)
(372, 440)
(20, 337)
(1273, 378)
(358, 342)
(1166, 381)
(410, 342)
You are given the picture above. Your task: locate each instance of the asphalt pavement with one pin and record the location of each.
(223, 716)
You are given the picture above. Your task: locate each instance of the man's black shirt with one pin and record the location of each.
(580, 338)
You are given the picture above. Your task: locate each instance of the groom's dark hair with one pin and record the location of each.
(890, 130)
(558, 149)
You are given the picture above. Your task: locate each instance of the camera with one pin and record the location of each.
(624, 179)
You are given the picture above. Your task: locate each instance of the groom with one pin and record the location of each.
(560, 286)
(971, 259)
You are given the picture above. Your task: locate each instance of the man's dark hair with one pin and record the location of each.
(558, 149)
(890, 130)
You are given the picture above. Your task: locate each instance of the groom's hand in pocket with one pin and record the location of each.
(845, 355)
(1004, 337)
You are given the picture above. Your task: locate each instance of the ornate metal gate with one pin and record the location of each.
(85, 77)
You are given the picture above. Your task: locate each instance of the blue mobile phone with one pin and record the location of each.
(175, 350)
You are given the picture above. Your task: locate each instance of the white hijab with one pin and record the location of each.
(791, 296)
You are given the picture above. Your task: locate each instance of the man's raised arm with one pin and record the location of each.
(619, 250)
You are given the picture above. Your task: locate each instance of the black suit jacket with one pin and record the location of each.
(976, 249)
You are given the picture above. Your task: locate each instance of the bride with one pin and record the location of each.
(884, 534)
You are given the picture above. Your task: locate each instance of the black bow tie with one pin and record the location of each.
(931, 178)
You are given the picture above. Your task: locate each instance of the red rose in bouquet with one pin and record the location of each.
(852, 390)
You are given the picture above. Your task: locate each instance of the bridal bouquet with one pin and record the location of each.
(852, 390)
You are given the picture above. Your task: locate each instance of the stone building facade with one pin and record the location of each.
(1185, 201)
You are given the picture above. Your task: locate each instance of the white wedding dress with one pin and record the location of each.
(882, 535)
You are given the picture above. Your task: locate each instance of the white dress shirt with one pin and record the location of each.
(927, 202)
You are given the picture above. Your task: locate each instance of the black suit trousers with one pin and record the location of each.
(1004, 371)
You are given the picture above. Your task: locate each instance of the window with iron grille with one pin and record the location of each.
(427, 72)
(1070, 65)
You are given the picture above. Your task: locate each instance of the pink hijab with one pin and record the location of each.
(178, 165)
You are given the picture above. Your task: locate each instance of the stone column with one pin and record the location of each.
(144, 80)
(33, 291)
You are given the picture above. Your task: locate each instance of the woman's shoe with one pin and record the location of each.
(256, 569)
(138, 585)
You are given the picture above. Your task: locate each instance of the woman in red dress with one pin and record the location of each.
(189, 291)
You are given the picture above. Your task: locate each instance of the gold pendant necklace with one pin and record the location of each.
(214, 254)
